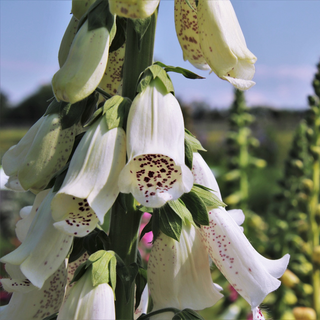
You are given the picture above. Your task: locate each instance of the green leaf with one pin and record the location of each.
(169, 222)
(181, 210)
(141, 281)
(155, 73)
(185, 72)
(77, 249)
(100, 266)
(120, 36)
(193, 142)
(95, 241)
(197, 208)
(90, 108)
(207, 195)
(115, 112)
(188, 154)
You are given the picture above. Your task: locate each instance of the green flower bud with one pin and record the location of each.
(289, 279)
(303, 313)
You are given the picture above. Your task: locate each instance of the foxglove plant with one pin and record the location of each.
(163, 174)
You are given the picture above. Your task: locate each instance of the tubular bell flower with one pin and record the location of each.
(179, 273)
(252, 275)
(85, 301)
(90, 186)
(41, 153)
(29, 302)
(156, 170)
(133, 9)
(44, 248)
(211, 35)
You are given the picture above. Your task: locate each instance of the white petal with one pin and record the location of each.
(237, 215)
(13, 183)
(27, 214)
(240, 84)
(143, 305)
(156, 171)
(37, 304)
(203, 174)
(44, 248)
(247, 271)
(87, 302)
(12, 159)
(90, 187)
(179, 273)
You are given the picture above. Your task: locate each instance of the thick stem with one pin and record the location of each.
(124, 226)
(137, 59)
(314, 201)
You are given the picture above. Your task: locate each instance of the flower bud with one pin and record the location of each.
(303, 313)
(289, 279)
(133, 9)
(316, 255)
(84, 68)
(41, 153)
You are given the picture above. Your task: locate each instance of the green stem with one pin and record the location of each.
(137, 58)
(315, 234)
(124, 225)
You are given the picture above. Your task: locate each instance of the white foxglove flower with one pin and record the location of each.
(223, 44)
(156, 170)
(211, 37)
(44, 248)
(133, 9)
(252, 275)
(41, 153)
(179, 273)
(29, 302)
(186, 24)
(87, 59)
(90, 186)
(88, 302)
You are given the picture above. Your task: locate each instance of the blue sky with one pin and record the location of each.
(284, 35)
